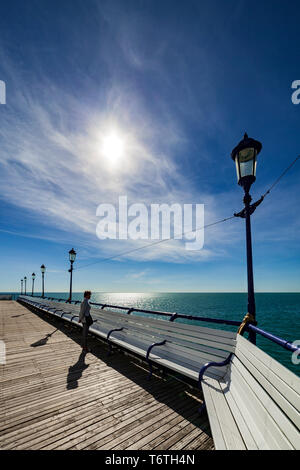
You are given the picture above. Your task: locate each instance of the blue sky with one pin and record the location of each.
(179, 82)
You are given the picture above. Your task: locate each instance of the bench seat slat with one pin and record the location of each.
(179, 364)
(163, 353)
(194, 365)
(197, 338)
(193, 368)
(215, 425)
(182, 341)
(259, 404)
(183, 328)
(291, 379)
(99, 330)
(278, 397)
(178, 326)
(134, 348)
(225, 432)
(240, 413)
(186, 342)
(191, 354)
(261, 436)
(182, 368)
(191, 350)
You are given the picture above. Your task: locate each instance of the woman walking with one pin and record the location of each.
(85, 318)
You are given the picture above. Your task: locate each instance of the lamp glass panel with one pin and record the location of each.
(237, 165)
(246, 159)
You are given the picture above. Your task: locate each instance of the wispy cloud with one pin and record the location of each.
(52, 164)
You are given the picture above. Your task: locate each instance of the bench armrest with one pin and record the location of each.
(162, 343)
(108, 335)
(210, 364)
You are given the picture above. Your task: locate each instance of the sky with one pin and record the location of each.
(146, 99)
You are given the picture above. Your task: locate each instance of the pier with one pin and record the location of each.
(54, 397)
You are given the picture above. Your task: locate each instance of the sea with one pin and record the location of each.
(277, 313)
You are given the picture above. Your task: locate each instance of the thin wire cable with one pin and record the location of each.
(281, 176)
(186, 233)
(154, 243)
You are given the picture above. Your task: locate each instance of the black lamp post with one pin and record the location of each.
(72, 256)
(43, 269)
(21, 286)
(33, 278)
(244, 155)
(25, 279)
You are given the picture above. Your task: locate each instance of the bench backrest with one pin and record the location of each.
(187, 344)
(266, 396)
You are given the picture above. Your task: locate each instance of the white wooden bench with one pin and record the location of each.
(185, 347)
(177, 346)
(256, 404)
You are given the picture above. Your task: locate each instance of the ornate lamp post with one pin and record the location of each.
(33, 278)
(21, 286)
(72, 256)
(25, 279)
(43, 269)
(245, 156)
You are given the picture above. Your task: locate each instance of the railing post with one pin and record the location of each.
(173, 317)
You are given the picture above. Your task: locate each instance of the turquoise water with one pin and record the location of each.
(277, 313)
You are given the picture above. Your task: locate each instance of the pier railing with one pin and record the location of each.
(173, 316)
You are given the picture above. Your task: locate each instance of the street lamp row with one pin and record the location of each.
(72, 257)
(33, 276)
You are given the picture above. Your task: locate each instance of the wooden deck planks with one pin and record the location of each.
(52, 397)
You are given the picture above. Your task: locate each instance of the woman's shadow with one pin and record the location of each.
(75, 372)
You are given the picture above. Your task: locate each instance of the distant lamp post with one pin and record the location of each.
(33, 278)
(43, 269)
(245, 157)
(72, 257)
(25, 279)
(21, 286)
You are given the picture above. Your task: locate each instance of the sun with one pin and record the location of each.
(113, 148)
